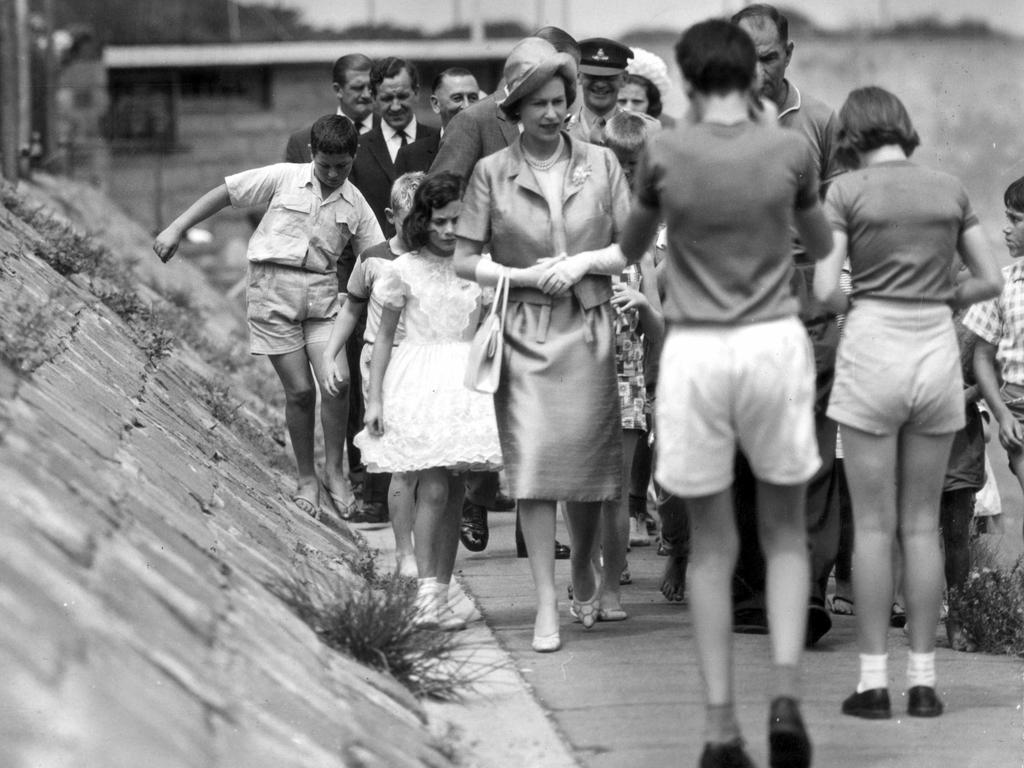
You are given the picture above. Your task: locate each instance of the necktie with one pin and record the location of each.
(403, 141)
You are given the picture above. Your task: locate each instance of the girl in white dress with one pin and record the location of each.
(420, 418)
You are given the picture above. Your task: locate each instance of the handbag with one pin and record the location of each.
(483, 364)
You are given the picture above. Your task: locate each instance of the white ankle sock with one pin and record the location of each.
(874, 671)
(442, 593)
(921, 669)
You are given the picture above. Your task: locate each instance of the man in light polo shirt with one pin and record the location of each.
(819, 125)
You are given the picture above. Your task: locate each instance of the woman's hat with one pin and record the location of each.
(530, 65)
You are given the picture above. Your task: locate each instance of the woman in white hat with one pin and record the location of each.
(540, 203)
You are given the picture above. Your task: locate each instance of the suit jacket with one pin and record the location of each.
(417, 156)
(297, 148)
(373, 172)
(475, 132)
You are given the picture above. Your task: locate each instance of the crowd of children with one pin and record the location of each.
(686, 292)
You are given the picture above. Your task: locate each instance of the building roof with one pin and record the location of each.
(307, 52)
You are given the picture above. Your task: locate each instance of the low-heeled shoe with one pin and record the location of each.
(728, 755)
(788, 745)
(922, 702)
(872, 704)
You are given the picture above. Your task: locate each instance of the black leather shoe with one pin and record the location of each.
(871, 705)
(562, 551)
(473, 531)
(503, 503)
(371, 512)
(922, 702)
(788, 744)
(750, 621)
(728, 755)
(818, 622)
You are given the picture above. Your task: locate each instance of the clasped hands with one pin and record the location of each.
(556, 275)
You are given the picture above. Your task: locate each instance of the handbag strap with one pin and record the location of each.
(500, 302)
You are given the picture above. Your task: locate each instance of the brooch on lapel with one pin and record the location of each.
(580, 174)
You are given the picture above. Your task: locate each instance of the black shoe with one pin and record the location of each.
(473, 531)
(922, 702)
(503, 503)
(374, 512)
(818, 622)
(728, 755)
(562, 551)
(788, 744)
(871, 705)
(750, 621)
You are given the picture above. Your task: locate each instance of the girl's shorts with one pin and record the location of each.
(898, 366)
(288, 308)
(747, 387)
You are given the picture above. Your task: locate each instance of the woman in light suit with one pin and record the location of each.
(545, 204)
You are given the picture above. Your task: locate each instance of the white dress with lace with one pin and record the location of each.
(430, 418)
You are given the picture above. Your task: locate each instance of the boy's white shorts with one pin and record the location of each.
(748, 387)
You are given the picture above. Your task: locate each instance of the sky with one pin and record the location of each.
(590, 18)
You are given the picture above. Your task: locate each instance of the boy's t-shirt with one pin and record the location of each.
(372, 264)
(727, 194)
(1000, 322)
(300, 228)
(902, 222)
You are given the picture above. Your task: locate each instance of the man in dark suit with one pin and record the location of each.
(395, 85)
(350, 81)
(483, 129)
(455, 89)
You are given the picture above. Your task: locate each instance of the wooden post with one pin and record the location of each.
(9, 100)
(49, 128)
(21, 33)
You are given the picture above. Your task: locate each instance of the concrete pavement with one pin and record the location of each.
(629, 693)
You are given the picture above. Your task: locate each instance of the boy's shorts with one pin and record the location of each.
(288, 308)
(898, 367)
(749, 387)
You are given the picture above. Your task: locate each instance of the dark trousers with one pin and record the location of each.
(353, 350)
(481, 488)
(822, 512)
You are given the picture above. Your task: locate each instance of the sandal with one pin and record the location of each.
(841, 606)
(586, 612)
(307, 506)
(344, 506)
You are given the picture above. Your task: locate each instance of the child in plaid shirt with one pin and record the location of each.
(999, 324)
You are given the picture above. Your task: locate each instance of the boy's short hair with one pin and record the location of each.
(870, 118)
(351, 62)
(765, 11)
(652, 92)
(435, 191)
(333, 135)
(717, 57)
(392, 66)
(629, 131)
(1013, 197)
(450, 72)
(403, 190)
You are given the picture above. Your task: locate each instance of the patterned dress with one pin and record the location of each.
(629, 359)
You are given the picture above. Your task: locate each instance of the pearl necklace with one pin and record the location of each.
(549, 163)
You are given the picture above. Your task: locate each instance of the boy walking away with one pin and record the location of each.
(292, 294)
(737, 372)
(999, 354)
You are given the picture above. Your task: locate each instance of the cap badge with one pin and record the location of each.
(600, 55)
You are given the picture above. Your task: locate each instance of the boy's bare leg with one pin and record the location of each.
(783, 533)
(300, 416)
(714, 546)
(615, 530)
(1017, 465)
(334, 420)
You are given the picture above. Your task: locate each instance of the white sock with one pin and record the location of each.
(874, 671)
(425, 590)
(442, 593)
(921, 669)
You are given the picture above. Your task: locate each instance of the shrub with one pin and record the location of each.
(990, 608)
(372, 622)
(26, 342)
